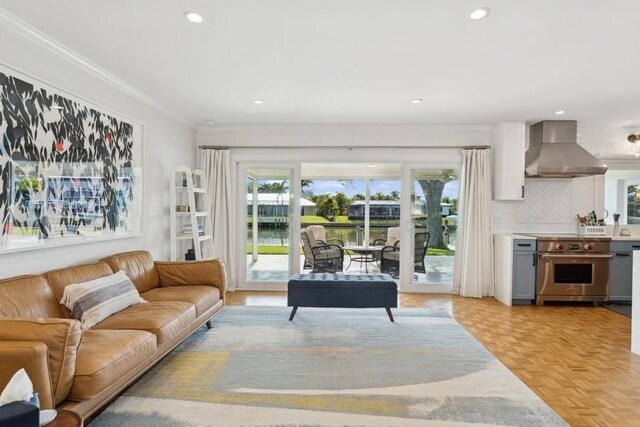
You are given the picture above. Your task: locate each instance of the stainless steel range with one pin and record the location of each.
(572, 268)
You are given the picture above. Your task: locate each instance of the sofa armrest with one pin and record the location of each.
(62, 338)
(206, 272)
(33, 356)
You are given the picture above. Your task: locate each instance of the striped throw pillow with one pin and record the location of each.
(93, 301)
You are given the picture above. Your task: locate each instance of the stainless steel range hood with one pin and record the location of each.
(554, 152)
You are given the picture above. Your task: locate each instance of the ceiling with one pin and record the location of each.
(362, 61)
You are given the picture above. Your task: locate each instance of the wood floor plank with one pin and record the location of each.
(576, 357)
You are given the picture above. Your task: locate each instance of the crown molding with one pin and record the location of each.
(43, 40)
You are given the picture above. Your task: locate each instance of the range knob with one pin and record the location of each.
(560, 247)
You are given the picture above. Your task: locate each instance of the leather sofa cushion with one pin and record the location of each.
(139, 267)
(165, 319)
(204, 272)
(27, 296)
(33, 356)
(62, 338)
(203, 297)
(106, 355)
(59, 279)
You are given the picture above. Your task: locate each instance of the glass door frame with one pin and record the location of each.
(406, 282)
(241, 227)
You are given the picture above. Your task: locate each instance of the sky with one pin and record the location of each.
(350, 188)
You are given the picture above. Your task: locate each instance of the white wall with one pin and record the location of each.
(319, 136)
(608, 143)
(166, 143)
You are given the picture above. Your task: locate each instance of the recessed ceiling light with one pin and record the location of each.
(210, 122)
(194, 17)
(371, 165)
(560, 112)
(417, 101)
(479, 13)
(258, 101)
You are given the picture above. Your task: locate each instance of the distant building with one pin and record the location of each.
(273, 207)
(378, 209)
(390, 209)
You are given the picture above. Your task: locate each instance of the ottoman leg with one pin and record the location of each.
(388, 312)
(293, 313)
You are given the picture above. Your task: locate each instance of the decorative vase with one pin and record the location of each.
(616, 228)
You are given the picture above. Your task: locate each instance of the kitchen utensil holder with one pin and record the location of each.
(592, 230)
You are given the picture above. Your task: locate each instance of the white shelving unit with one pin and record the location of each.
(190, 222)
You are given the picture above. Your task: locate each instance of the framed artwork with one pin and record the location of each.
(70, 172)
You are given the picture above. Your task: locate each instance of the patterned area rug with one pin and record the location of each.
(329, 367)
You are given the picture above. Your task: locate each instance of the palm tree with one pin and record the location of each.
(265, 187)
(305, 183)
(379, 196)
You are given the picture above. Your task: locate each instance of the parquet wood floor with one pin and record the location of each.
(577, 358)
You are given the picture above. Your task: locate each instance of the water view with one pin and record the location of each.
(349, 235)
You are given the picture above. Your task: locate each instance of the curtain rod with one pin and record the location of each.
(368, 147)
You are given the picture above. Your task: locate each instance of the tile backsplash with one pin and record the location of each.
(550, 205)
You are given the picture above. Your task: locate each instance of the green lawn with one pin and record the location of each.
(340, 219)
(283, 250)
(440, 252)
(313, 219)
(270, 250)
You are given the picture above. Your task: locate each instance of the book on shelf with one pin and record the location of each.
(187, 230)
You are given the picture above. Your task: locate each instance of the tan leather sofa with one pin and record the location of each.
(84, 370)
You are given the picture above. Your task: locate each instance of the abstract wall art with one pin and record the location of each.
(69, 171)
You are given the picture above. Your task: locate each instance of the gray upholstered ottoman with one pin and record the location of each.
(338, 290)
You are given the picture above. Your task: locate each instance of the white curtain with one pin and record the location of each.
(473, 264)
(216, 164)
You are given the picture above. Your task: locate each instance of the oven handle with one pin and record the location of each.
(544, 256)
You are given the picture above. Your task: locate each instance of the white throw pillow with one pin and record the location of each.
(93, 301)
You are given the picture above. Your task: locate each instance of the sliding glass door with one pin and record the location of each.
(269, 225)
(430, 224)
(413, 204)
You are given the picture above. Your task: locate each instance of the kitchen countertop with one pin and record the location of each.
(516, 235)
(523, 236)
(568, 235)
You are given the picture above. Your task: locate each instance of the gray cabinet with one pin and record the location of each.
(524, 271)
(621, 269)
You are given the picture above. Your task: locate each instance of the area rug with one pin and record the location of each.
(329, 367)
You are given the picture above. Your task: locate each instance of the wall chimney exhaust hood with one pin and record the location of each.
(554, 152)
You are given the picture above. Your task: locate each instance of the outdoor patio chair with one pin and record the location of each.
(390, 256)
(320, 236)
(319, 256)
(393, 237)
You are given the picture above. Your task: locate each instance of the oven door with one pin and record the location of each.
(573, 275)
